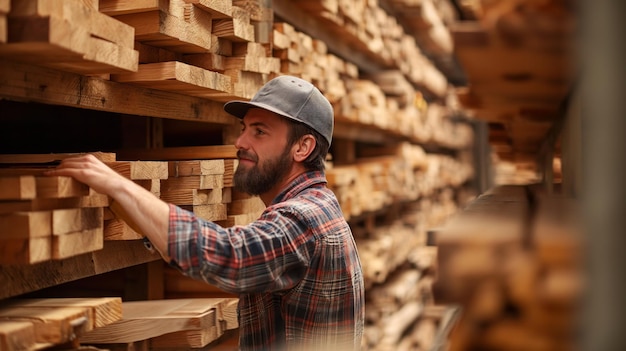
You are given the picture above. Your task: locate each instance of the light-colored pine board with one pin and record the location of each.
(177, 77)
(161, 29)
(118, 229)
(187, 338)
(237, 29)
(209, 61)
(184, 168)
(17, 335)
(69, 89)
(121, 7)
(140, 170)
(66, 46)
(20, 187)
(60, 187)
(25, 251)
(102, 310)
(143, 320)
(76, 243)
(24, 225)
(210, 181)
(217, 8)
(193, 196)
(71, 220)
(52, 325)
(212, 212)
(49, 204)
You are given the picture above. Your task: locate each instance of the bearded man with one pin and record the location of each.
(296, 268)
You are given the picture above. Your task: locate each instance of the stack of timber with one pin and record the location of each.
(72, 36)
(513, 260)
(399, 173)
(37, 324)
(400, 269)
(368, 27)
(171, 324)
(428, 20)
(386, 100)
(46, 218)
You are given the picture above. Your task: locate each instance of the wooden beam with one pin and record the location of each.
(115, 255)
(28, 83)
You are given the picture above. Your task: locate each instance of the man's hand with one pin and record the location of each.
(142, 209)
(91, 171)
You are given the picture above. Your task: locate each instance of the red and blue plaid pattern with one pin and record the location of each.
(296, 269)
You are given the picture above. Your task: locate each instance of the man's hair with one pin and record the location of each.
(315, 161)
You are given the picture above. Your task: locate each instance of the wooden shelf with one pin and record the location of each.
(21, 279)
(28, 83)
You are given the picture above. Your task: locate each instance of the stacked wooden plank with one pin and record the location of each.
(366, 25)
(71, 35)
(200, 179)
(171, 324)
(45, 218)
(399, 173)
(428, 20)
(148, 174)
(197, 47)
(513, 260)
(302, 55)
(400, 269)
(35, 324)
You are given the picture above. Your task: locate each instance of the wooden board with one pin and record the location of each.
(177, 77)
(140, 170)
(180, 153)
(143, 320)
(102, 310)
(16, 335)
(19, 187)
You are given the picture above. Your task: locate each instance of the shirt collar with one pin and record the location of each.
(303, 181)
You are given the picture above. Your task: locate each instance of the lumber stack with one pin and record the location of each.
(386, 175)
(45, 218)
(198, 47)
(71, 35)
(36, 324)
(171, 324)
(428, 20)
(367, 26)
(400, 269)
(513, 260)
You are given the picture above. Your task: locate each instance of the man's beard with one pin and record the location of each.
(258, 180)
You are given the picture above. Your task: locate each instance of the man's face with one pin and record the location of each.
(264, 159)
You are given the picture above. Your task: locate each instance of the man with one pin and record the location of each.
(296, 268)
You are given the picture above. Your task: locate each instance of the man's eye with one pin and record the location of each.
(259, 132)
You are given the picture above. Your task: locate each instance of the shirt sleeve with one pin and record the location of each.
(271, 254)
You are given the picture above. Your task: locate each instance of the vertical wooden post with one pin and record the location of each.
(604, 161)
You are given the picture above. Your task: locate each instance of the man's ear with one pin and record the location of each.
(304, 147)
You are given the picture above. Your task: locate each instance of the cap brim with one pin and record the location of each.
(240, 108)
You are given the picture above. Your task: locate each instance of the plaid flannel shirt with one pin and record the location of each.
(296, 269)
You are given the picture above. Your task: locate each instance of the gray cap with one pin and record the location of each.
(291, 97)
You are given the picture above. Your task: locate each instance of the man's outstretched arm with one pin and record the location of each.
(149, 213)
